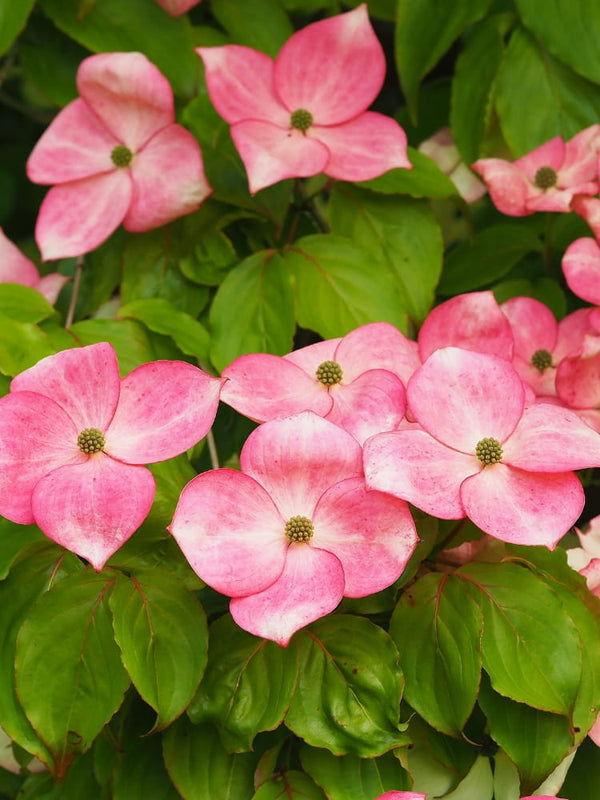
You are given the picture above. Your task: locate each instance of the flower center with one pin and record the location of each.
(489, 451)
(121, 156)
(541, 360)
(301, 119)
(545, 178)
(299, 529)
(329, 372)
(90, 440)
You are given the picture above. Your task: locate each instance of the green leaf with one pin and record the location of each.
(23, 304)
(112, 25)
(349, 687)
(242, 668)
(558, 101)
(13, 17)
(291, 785)
(66, 654)
(342, 777)
(140, 772)
(190, 336)
(490, 255)
(437, 628)
(583, 777)
(425, 30)
(13, 538)
(161, 630)
(264, 25)
(78, 783)
(253, 310)
(210, 254)
(399, 234)
(202, 769)
(22, 345)
(425, 179)
(478, 783)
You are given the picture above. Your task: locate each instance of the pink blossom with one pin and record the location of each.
(295, 531)
(177, 7)
(17, 268)
(578, 380)
(546, 179)
(441, 148)
(586, 559)
(581, 266)
(73, 437)
(305, 112)
(482, 453)
(116, 156)
(402, 796)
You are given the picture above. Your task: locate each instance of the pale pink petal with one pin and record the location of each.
(128, 93)
(581, 154)
(84, 381)
(560, 199)
(473, 321)
(230, 531)
(461, 397)
(94, 507)
(578, 376)
(581, 266)
(571, 332)
(552, 439)
(77, 217)
(411, 465)
(377, 345)
(165, 407)
(534, 326)
(374, 402)
(523, 507)
(333, 68)
(589, 537)
(263, 386)
(308, 358)
(364, 147)
(550, 154)
(271, 154)
(591, 573)
(177, 7)
(310, 586)
(168, 180)
(507, 185)
(402, 796)
(240, 84)
(14, 266)
(594, 734)
(297, 458)
(75, 145)
(372, 534)
(589, 209)
(577, 558)
(50, 286)
(36, 437)
(468, 186)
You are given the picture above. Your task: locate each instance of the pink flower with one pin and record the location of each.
(578, 381)
(177, 7)
(482, 453)
(546, 179)
(17, 268)
(441, 148)
(581, 266)
(295, 531)
(586, 559)
(73, 437)
(305, 113)
(402, 796)
(117, 156)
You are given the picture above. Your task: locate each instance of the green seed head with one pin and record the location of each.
(541, 360)
(545, 178)
(90, 440)
(121, 156)
(299, 529)
(329, 372)
(301, 119)
(489, 451)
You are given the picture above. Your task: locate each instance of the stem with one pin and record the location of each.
(309, 204)
(547, 248)
(212, 449)
(75, 292)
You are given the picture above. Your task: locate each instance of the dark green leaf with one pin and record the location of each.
(583, 777)
(291, 785)
(264, 25)
(13, 538)
(140, 773)
(351, 776)
(13, 17)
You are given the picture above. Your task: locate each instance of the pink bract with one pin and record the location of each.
(177, 7)
(482, 453)
(402, 796)
(17, 268)
(115, 156)
(581, 266)
(295, 531)
(305, 112)
(74, 437)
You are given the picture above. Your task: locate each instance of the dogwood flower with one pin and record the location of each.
(17, 268)
(402, 796)
(177, 7)
(73, 437)
(295, 531)
(305, 112)
(116, 156)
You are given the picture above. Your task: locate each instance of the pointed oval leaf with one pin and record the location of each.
(291, 785)
(13, 17)
(351, 776)
(425, 179)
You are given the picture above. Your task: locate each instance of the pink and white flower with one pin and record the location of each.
(17, 268)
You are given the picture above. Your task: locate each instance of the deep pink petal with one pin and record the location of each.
(333, 68)
(128, 93)
(308, 358)
(75, 145)
(594, 734)
(50, 286)
(581, 266)
(94, 507)
(550, 154)
(263, 386)
(372, 534)
(411, 465)
(581, 155)
(461, 397)
(472, 321)
(523, 507)
(589, 209)
(310, 586)
(507, 185)
(14, 266)
(578, 376)
(36, 437)
(240, 84)
(377, 345)
(552, 439)
(230, 531)
(165, 407)
(297, 458)
(402, 796)
(571, 332)
(374, 402)
(271, 154)
(168, 180)
(364, 147)
(534, 326)
(177, 7)
(84, 381)
(76, 217)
